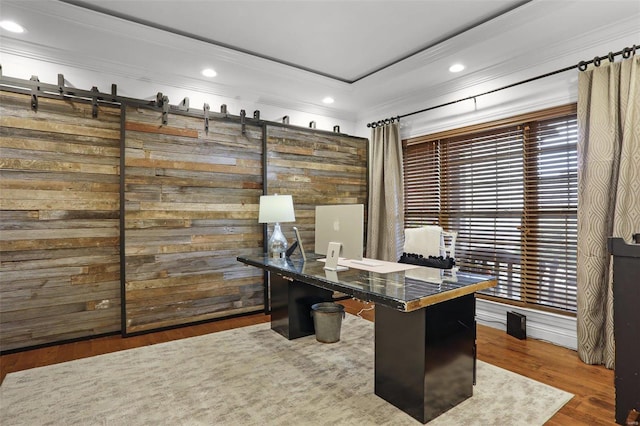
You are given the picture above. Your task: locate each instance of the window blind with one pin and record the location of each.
(510, 191)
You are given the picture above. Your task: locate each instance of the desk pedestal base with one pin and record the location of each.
(425, 359)
(291, 306)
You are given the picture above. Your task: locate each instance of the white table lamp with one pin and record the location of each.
(275, 209)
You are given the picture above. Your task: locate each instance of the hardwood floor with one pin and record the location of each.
(593, 403)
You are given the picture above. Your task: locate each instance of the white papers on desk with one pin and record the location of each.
(374, 265)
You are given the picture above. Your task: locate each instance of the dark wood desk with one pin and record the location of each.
(626, 326)
(424, 331)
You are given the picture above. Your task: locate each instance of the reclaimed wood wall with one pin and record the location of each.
(59, 229)
(191, 208)
(316, 168)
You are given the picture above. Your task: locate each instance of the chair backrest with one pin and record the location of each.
(430, 240)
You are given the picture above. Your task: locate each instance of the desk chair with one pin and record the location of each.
(430, 240)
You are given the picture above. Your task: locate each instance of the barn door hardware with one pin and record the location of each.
(60, 84)
(35, 88)
(206, 118)
(184, 105)
(165, 110)
(163, 102)
(94, 102)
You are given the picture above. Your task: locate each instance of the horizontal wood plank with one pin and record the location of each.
(166, 130)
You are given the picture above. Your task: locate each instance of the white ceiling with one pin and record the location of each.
(371, 56)
(345, 40)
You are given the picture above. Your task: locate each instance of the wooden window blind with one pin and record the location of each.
(510, 191)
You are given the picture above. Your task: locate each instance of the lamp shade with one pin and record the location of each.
(276, 208)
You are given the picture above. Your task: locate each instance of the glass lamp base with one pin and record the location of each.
(277, 243)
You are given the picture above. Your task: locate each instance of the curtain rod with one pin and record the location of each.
(582, 66)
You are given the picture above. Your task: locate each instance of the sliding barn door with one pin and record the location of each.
(191, 209)
(316, 168)
(59, 221)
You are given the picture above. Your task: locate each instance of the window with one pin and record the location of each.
(509, 189)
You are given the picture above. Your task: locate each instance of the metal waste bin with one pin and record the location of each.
(327, 320)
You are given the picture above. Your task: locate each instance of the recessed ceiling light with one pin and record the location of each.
(209, 72)
(456, 68)
(11, 26)
(328, 100)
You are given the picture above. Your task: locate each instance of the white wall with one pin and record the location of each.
(559, 89)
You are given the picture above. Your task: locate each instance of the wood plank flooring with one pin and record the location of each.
(593, 403)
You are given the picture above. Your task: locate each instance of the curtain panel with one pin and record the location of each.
(385, 209)
(608, 194)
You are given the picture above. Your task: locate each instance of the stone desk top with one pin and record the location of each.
(404, 291)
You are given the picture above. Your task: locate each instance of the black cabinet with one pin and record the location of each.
(626, 321)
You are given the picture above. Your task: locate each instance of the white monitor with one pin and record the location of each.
(342, 224)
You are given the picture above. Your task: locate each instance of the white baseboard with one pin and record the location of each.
(553, 328)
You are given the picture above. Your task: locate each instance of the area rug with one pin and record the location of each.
(251, 376)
